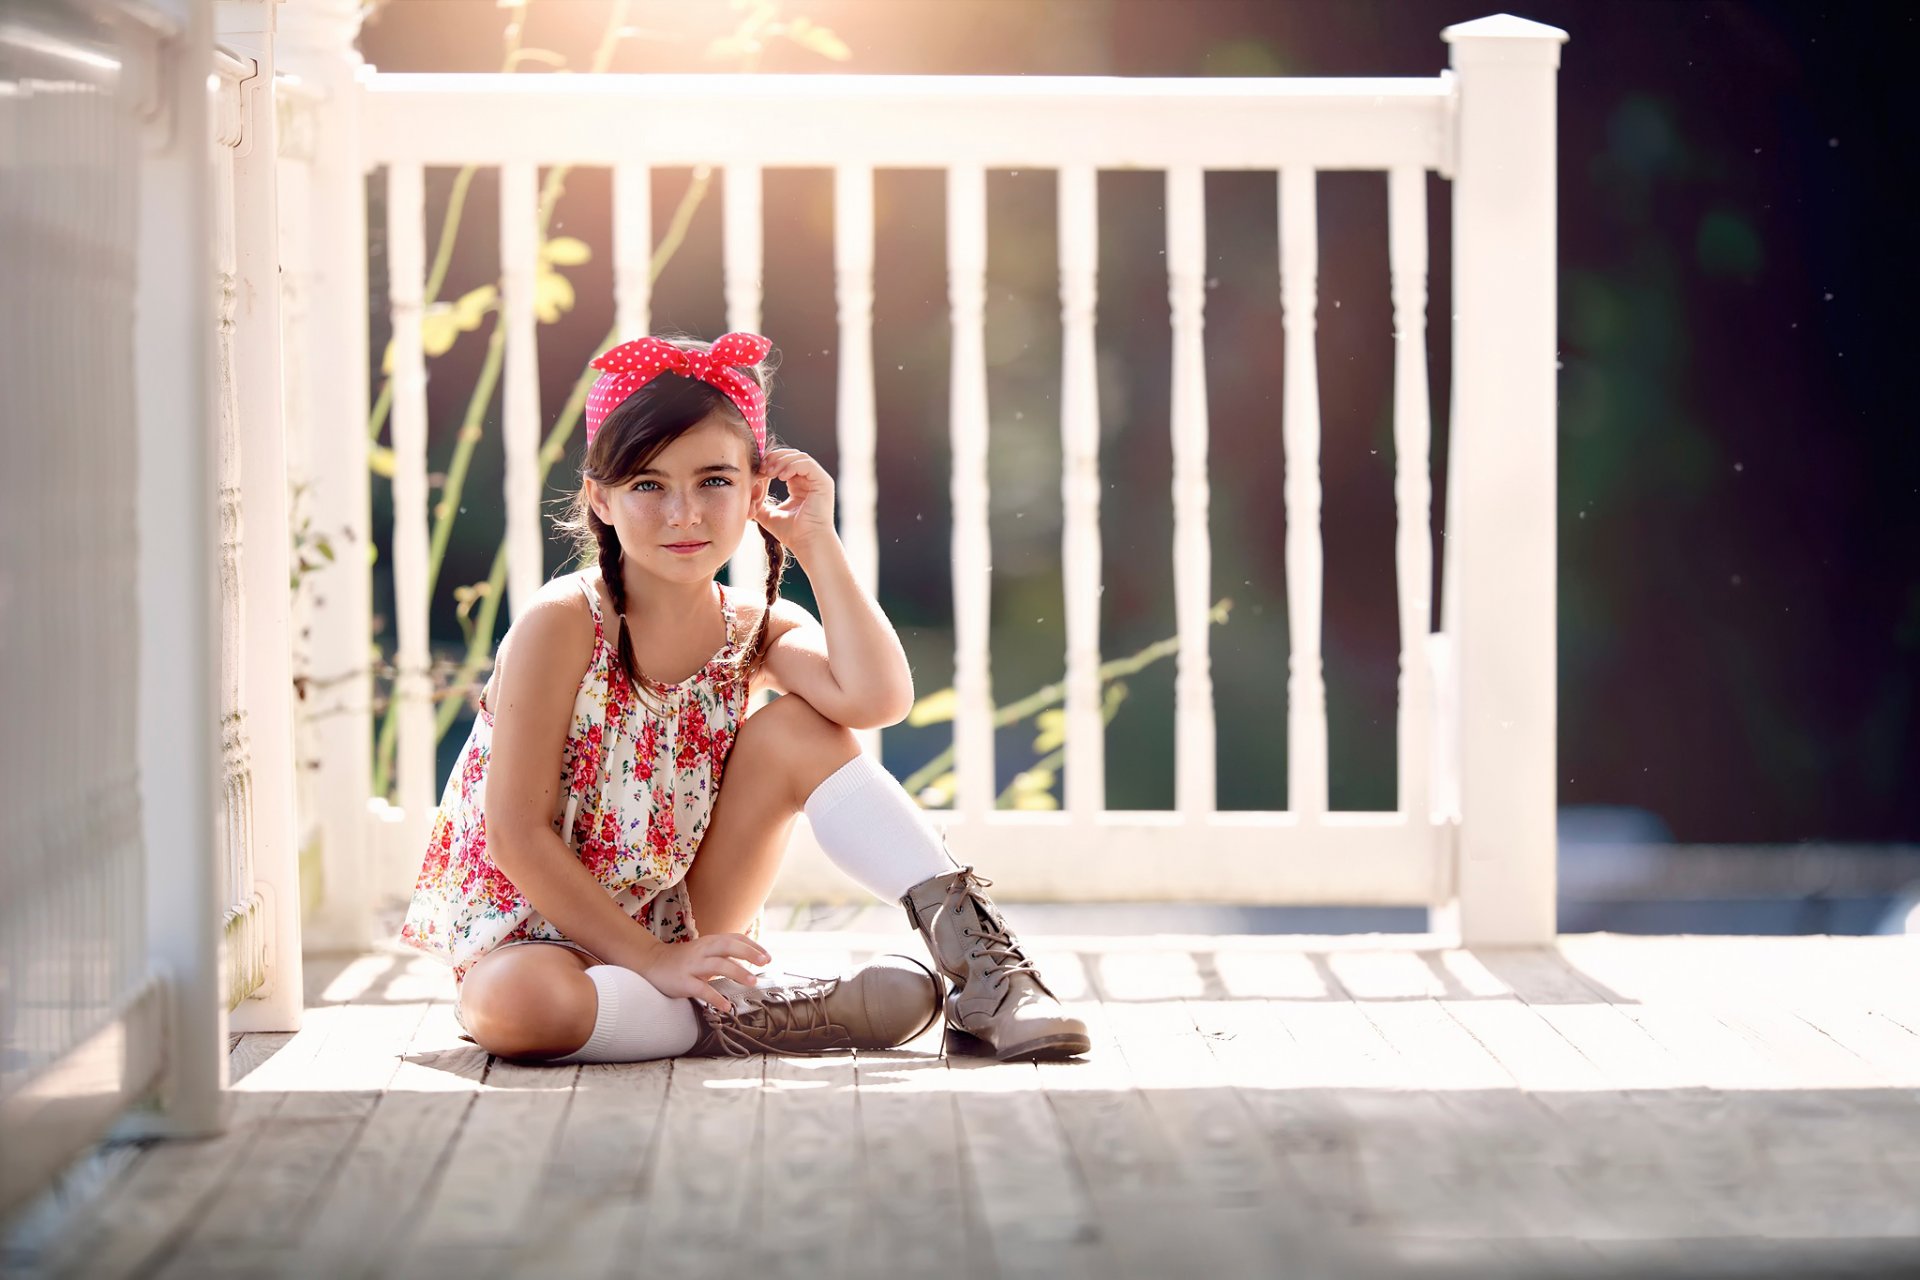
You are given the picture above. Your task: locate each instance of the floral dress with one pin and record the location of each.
(637, 787)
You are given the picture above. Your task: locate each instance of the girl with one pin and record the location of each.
(596, 889)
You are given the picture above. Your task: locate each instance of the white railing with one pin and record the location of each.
(259, 867)
(1473, 830)
(109, 939)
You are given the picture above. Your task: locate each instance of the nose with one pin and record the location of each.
(682, 510)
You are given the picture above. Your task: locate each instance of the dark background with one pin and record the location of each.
(1739, 478)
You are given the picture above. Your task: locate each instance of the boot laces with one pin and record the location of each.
(997, 943)
(765, 1014)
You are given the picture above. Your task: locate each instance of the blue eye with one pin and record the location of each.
(718, 480)
(643, 485)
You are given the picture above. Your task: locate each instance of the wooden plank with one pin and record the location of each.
(270, 1194)
(1125, 1156)
(1033, 1201)
(696, 1205)
(132, 1229)
(577, 1222)
(799, 1219)
(496, 1164)
(1498, 1149)
(917, 1216)
(366, 1212)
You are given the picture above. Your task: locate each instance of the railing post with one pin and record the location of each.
(264, 607)
(1501, 543)
(178, 598)
(336, 606)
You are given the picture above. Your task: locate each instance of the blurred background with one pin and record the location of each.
(1739, 535)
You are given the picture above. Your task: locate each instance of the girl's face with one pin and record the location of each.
(682, 517)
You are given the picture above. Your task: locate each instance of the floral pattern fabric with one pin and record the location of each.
(637, 787)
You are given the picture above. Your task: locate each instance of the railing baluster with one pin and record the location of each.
(1412, 485)
(1194, 794)
(1306, 686)
(853, 288)
(412, 687)
(519, 258)
(972, 550)
(1080, 490)
(747, 571)
(632, 249)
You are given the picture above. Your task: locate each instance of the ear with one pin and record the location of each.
(597, 501)
(759, 492)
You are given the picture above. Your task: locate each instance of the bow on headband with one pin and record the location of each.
(632, 365)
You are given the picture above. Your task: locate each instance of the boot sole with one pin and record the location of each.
(1063, 1045)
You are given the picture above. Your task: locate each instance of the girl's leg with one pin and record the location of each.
(784, 751)
(532, 1001)
(551, 1003)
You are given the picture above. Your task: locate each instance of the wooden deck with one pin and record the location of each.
(1253, 1106)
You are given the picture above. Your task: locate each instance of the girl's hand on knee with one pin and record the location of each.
(683, 969)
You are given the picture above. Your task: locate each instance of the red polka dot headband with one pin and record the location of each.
(632, 365)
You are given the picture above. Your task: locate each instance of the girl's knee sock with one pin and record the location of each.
(635, 1021)
(872, 830)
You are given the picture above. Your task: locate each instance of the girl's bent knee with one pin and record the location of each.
(791, 718)
(528, 1002)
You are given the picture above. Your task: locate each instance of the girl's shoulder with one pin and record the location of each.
(554, 635)
(747, 611)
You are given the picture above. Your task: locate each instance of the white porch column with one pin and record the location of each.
(245, 28)
(178, 602)
(1501, 535)
(315, 43)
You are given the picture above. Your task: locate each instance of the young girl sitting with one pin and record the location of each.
(596, 888)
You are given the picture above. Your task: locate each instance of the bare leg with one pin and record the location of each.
(532, 1001)
(537, 1001)
(784, 751)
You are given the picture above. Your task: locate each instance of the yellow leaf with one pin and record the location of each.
(566, 251)
(935, 708)
(438, 330)
(1033, 789)
(822, 41)
(727, 47)
(386, 362)
(380, 460)
(472, 307)
(552, 296)
(937, 794)
(1052, 724)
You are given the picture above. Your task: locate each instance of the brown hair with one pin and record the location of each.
(630, 438)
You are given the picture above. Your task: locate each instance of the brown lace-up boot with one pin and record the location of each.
(997, 995)
(881, 1006)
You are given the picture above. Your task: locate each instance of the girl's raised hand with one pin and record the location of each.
(683, 968)
(807, 514)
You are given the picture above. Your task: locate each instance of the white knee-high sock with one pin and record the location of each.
(872, 830)
(635, 1021)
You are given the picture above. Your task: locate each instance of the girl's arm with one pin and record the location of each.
(849, 664)
(535, 682)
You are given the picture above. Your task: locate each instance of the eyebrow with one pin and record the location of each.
(710, 469)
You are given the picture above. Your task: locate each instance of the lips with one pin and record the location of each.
(686, 548)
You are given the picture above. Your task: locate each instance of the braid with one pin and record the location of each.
(610, 573)
(776, 570)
